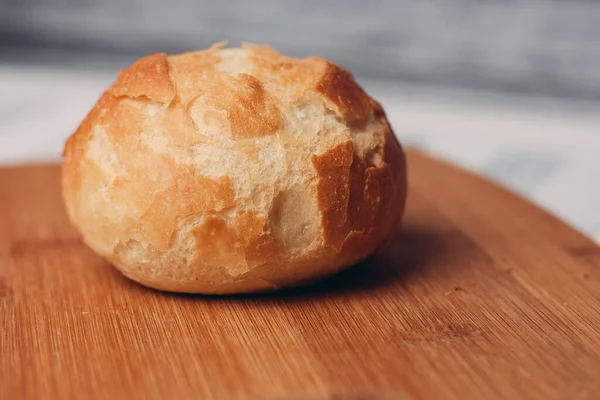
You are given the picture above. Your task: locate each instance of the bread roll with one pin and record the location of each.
(234, 170)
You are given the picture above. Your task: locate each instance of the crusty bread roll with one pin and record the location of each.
(234, 170)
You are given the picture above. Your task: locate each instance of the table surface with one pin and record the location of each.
(481, 296)
(546, 150)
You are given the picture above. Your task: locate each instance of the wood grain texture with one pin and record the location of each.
(482, 296)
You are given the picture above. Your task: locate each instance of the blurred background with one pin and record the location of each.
(509, 89)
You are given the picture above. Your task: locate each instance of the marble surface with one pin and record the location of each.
(546, 150)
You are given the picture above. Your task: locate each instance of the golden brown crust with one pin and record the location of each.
(365, 194)
(290, 78)
(217, 243)
(339, 86)
(179, 126)
(249, 110)
(333, 192)
(77, 142)
(230, 170)
(188, 195)
(147, 77)
(192, 73)
(241, 245)
(259, 246)
(354, 198)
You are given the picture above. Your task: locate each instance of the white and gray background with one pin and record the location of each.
(509, 89)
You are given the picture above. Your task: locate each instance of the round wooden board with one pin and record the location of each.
(482, 296)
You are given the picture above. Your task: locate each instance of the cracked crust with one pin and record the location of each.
(234, 170)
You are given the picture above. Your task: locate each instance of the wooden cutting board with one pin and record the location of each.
(482, 296)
